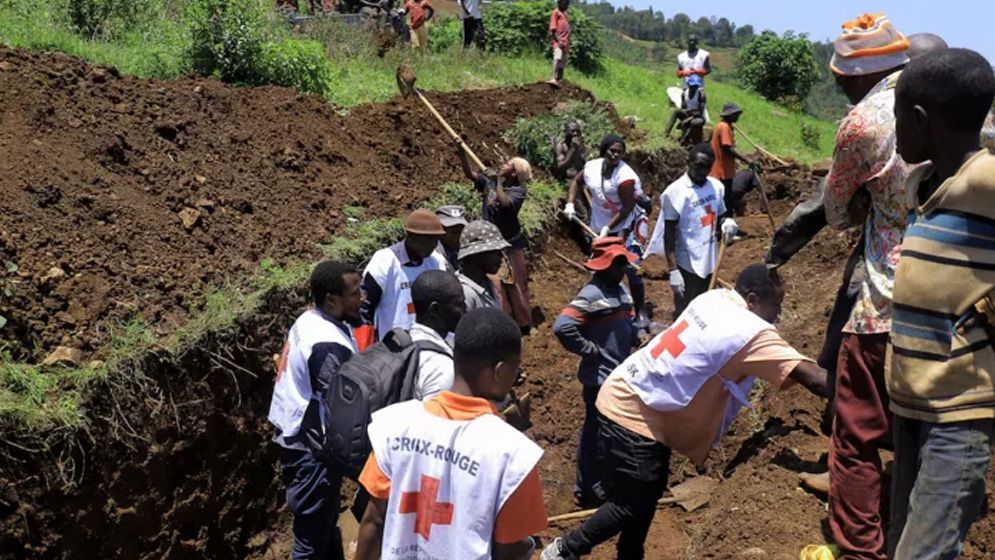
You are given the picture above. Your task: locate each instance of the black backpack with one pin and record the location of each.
(379, 376)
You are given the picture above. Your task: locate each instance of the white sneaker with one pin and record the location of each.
(554, 551)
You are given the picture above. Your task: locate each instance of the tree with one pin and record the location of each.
(679, 28)
(723, 33)
(778, 68)
(743, 35)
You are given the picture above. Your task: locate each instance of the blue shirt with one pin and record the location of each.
(599, 326)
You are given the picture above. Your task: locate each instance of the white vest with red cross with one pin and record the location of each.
(699, 208)
(449, 480)
(395, 279)
(605, 200)
(293, 392)
(668, 372)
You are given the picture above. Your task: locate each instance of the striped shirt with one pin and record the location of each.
(941, 364)
(598, 326)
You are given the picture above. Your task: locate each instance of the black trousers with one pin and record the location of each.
(473, 32)
(694, 286)
(635, 475)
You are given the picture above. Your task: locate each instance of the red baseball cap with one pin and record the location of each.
(604, 251)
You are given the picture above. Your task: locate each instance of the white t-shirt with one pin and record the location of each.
(696, 62)
(435, 369)
(605, 200)
(696, 210)
(472, 6)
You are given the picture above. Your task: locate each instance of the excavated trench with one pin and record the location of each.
(176, 461)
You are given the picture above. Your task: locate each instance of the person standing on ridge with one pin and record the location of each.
(559, 36)
(473, 23)
(693, 62)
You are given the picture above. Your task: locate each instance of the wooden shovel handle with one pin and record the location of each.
(718, 263)
(450, 130)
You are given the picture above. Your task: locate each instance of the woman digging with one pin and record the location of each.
(503, 194)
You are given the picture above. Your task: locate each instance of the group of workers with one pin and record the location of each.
(912, 332)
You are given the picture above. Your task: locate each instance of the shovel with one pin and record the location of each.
(406, 83)
(690, 495)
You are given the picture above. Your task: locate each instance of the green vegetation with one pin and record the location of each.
(651, 25)
(535, 138)
(779, 68)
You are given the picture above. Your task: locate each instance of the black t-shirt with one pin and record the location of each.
(504, 217)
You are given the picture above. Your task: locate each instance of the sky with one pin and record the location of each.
(963, 23)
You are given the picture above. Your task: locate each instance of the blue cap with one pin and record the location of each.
(695, 80)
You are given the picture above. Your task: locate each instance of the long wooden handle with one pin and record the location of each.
(718, 263)
(763, 198)
(450, 130)
(760, 148)
(583, 514)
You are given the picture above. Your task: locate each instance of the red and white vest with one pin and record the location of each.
(386, 267)
(292, 391)
(449, 480)
(668, 372)
(605, 199)
(699, 209)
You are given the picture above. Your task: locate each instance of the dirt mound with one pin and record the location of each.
(123, 197)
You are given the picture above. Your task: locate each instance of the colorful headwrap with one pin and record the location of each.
(868, 45)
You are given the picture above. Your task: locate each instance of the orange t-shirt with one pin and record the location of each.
(524, 513)
(691, 430)
(725, 165)
(416, 11)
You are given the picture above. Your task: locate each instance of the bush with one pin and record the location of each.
(810, 136)
(296, 63)
(534, 138)
(445, 33)
(106, 18)
(514, 28)
(226, 37)
(778, 68)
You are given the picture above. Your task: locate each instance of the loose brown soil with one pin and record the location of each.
(97, 175)
(122, 197)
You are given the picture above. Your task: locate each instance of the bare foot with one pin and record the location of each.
(815, 482)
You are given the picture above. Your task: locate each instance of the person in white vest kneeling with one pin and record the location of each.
(317, 345)
(449, 478)
(681, 392)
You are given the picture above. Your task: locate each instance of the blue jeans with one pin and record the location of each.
(588, 477)
(938, 487)
(313, 498)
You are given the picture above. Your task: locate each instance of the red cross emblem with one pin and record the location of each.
(427, 511)
(709, 218)
(671, 341)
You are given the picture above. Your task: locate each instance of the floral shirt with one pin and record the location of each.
(865, 157)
